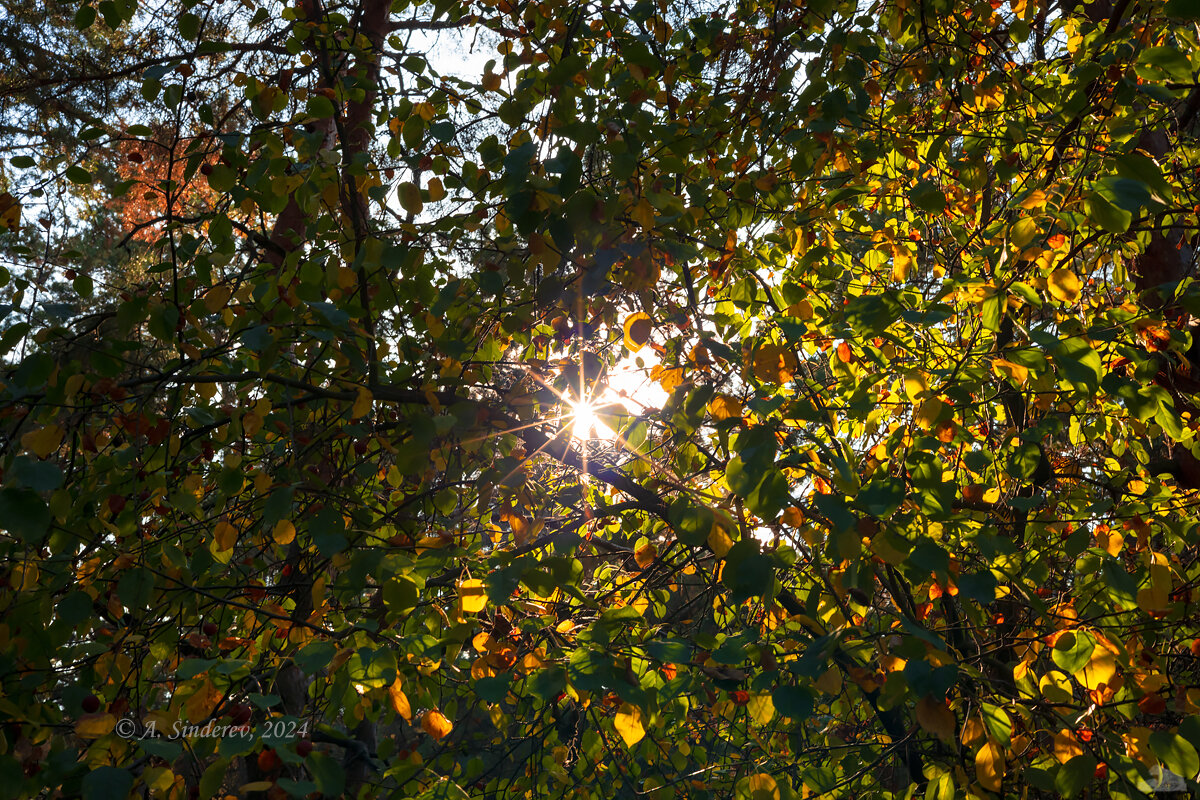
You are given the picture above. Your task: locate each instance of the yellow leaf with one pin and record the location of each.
(225, 536)
(1110, 541)
(255, 786)
(1034, 201)
(202, 702)
(1099, 670)
(628, 723)
(929, 412)
(935, 717)
(436, 725)
(637, 330)
(1010, 370)
(725, 407)
(436, 190)
(803, 310)
(719, 541)
(760, 787)
(901, 263)
(43, 442)
(24, 577)
(472, 596)
(283, 532)
(159, 779)
(761, 708)
(251, 423)
(410, 197)
(216, 298)
(774, 363)
(645, 555)
(1023, 232)
(93, 726)
(643, 214)
(399, 701)
(915, 385)
(792, 517)
(1066, 746)
(1156, 596)
(10, 212)
(972, 731)
(1064, 285)
(669, 378)
(989, 766)
(1056, 687)
(362, 403)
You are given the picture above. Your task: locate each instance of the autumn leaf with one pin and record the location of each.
(362, 403)
(724, 407)
(774, 363)
(935, 717)
(93, 726)
(225, 536)
(284, 532)
(628, 722)
(435, 724)
(637, 329)
(1063, 285)
(472, 595)
(989, 766)
(400, 704)
(10, 212)
(1017, 373)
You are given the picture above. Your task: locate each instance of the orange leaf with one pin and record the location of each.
(436, 725)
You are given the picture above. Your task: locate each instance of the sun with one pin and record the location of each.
(586, 424)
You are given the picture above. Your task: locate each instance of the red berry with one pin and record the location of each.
(91, 704)
(303, 748)
(240, 713)
(206, 169)
(210, 629)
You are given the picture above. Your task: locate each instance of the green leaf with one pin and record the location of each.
(1187, 10)
(1074, 775)
(23, 514)
(692, 523)
(327, 773)
(1159, 63)
(107, 783)
(78, 175)
(881, 496)
(1106, 214)
(320, 107)
(795, 702)
(84, 17)
(1176, 753)
(189, 26)
(1072, 651)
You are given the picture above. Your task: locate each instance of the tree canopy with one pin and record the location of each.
(625, 398)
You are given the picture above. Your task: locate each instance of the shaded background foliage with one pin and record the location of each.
(303, 304)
